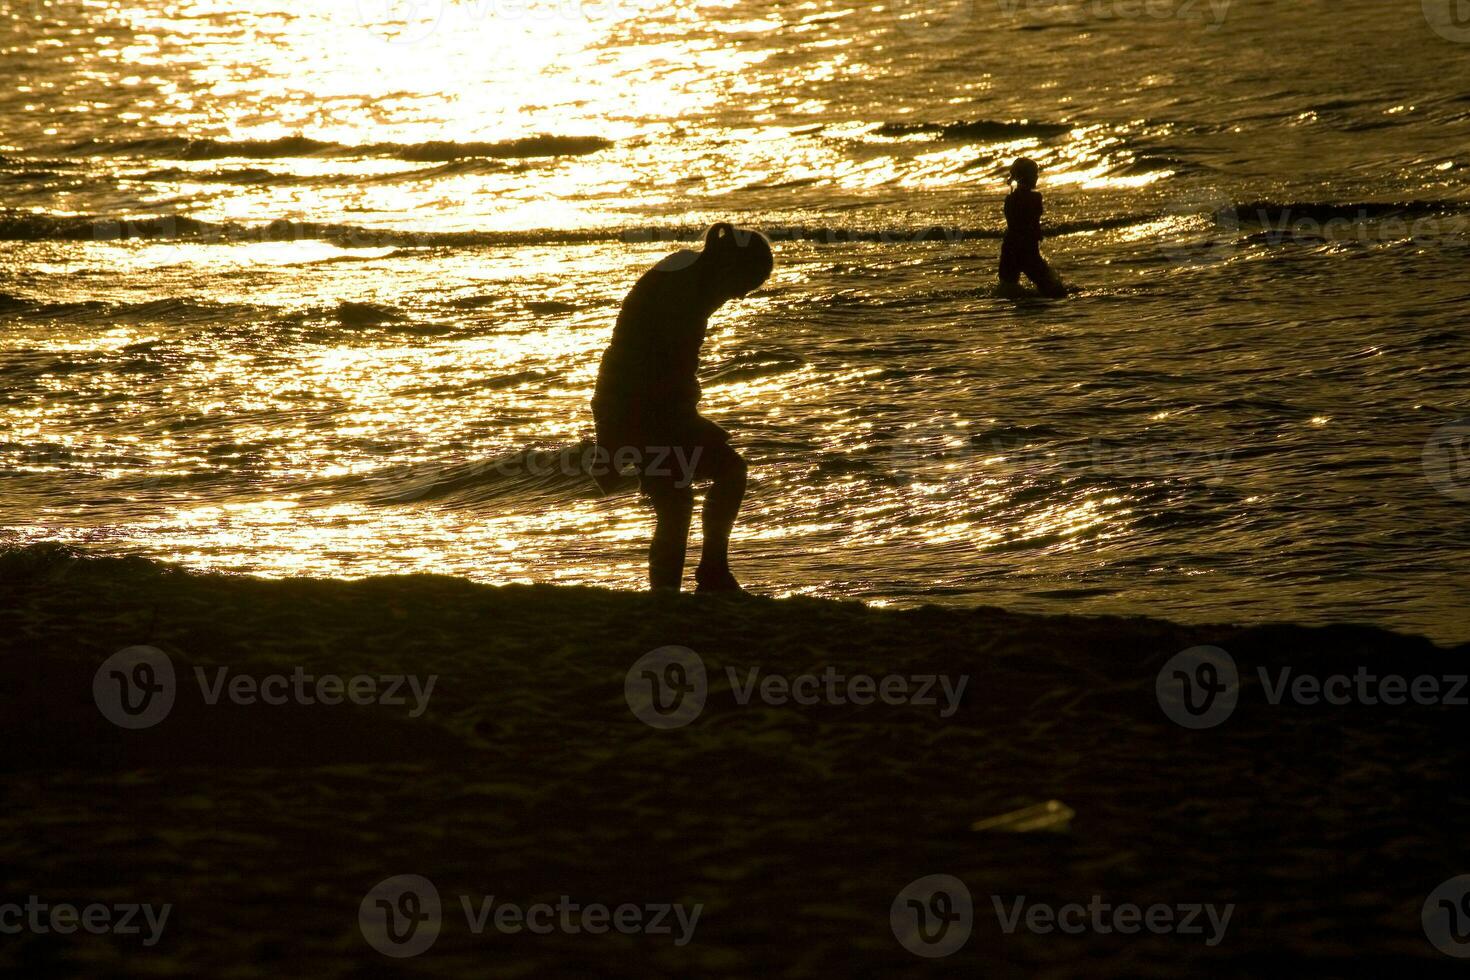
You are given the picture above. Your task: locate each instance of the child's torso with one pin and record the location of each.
(1023, 216)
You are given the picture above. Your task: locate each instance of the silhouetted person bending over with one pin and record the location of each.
(647, 398)
(1020, 250)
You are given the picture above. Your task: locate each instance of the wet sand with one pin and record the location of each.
(528, 777)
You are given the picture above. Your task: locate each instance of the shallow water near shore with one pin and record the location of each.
(312, 320)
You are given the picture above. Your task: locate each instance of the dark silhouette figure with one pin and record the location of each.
(647, 397)
(1020, 250)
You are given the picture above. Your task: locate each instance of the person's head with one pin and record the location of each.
(736, 261)
(1024, 172)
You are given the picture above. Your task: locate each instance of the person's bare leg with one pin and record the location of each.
(673, 508)
(1044, 277)
(721, 506)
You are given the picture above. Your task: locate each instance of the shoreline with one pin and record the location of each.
(528, 775)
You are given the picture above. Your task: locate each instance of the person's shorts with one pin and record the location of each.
(666, 453)
(1017, 258)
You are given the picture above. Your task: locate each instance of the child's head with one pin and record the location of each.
(1024, 172)
(739, 259)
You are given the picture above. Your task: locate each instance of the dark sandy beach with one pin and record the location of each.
(1004, 353)
(527, 777)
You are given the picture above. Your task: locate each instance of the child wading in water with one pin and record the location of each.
(1020, 250)
(647, 397)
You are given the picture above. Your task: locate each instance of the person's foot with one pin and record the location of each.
(715, 580)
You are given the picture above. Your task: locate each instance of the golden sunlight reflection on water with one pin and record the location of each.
(361, 74)
(419, 275)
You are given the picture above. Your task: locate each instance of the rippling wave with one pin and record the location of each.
(184, 148)
(984, 129)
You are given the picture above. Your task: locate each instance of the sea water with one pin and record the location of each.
(321, 289)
